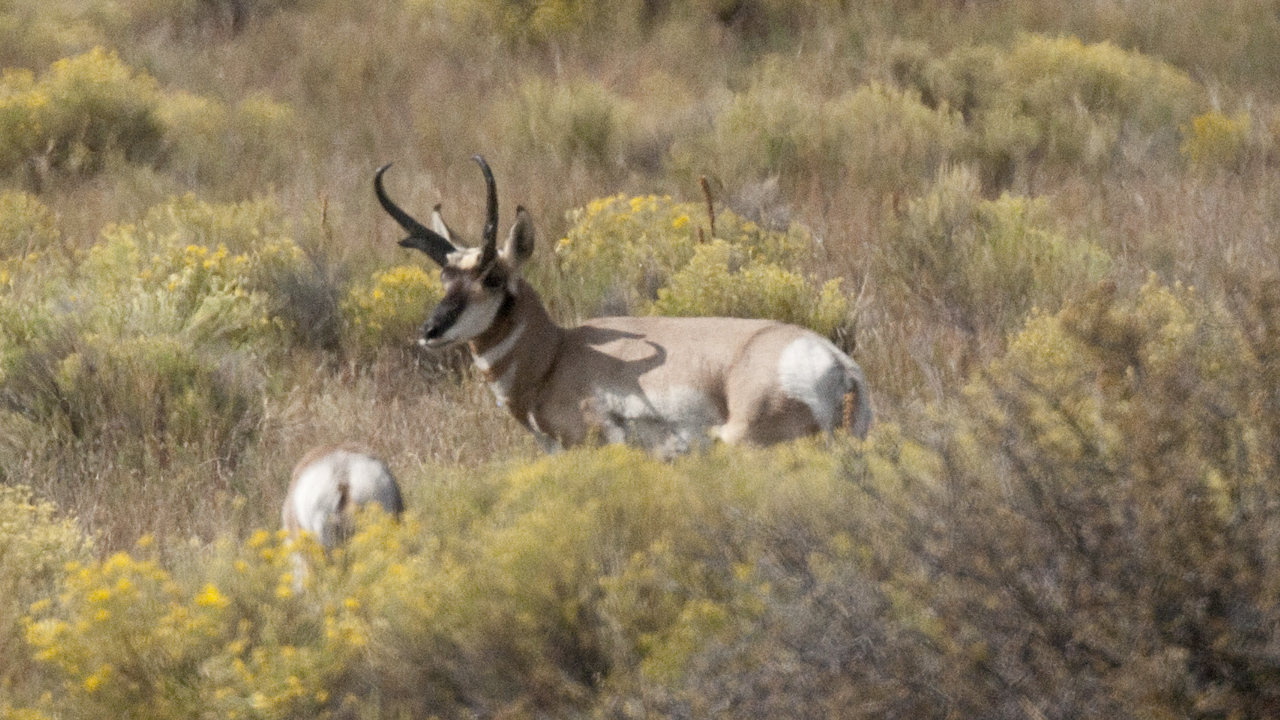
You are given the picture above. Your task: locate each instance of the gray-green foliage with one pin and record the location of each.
(1056, 103)
(984, 263)
(879, 137)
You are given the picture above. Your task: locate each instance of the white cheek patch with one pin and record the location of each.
(810, 371)
(475, 319)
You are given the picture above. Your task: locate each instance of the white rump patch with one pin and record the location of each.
(810, 370)
(317, 492)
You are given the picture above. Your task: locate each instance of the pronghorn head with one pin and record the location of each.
(477, 281)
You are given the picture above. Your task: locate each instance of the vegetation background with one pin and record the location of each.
(1048, 230)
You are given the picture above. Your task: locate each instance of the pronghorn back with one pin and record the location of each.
(329, 484)
(667, 384)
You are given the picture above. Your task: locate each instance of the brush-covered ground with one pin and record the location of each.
(1048, 231)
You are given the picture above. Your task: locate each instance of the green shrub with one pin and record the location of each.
(82, 112)
(620, 251)
(985, 263)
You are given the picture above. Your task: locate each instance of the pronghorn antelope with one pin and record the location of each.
(667, 384)
(329, 484)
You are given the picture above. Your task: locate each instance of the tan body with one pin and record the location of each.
(329, 485)
(666, 384)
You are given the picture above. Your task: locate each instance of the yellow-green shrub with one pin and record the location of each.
(514, 587)
(984, 262)
(153, 346)
(253, 140)
(1101, 522)
(876, 136)
(31, 254)
(88, 109)
(389, 309)
(888, 139)
(26, 225)
(129, 638)
(537, 21)
(621, 250)
(246, 245)
(721, 281)
(1058, 101)
(80, 113)
(35, 548)
(547, 583)
(1214, 141)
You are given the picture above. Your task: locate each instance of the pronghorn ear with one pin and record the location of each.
(437, 224)
(519, 244)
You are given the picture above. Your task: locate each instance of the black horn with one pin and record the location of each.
(489, 246)
(420, 237)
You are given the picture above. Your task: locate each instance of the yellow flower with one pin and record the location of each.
(92, 682)
(210, 596)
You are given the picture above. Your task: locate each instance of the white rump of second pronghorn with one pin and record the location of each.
(329, 485)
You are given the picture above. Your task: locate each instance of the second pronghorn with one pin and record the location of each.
(330, 483)
(666, 384)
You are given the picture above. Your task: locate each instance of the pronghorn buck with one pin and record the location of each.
(330, 483)
(666, 384)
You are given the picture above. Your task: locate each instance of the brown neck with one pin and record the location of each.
(517, 350)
